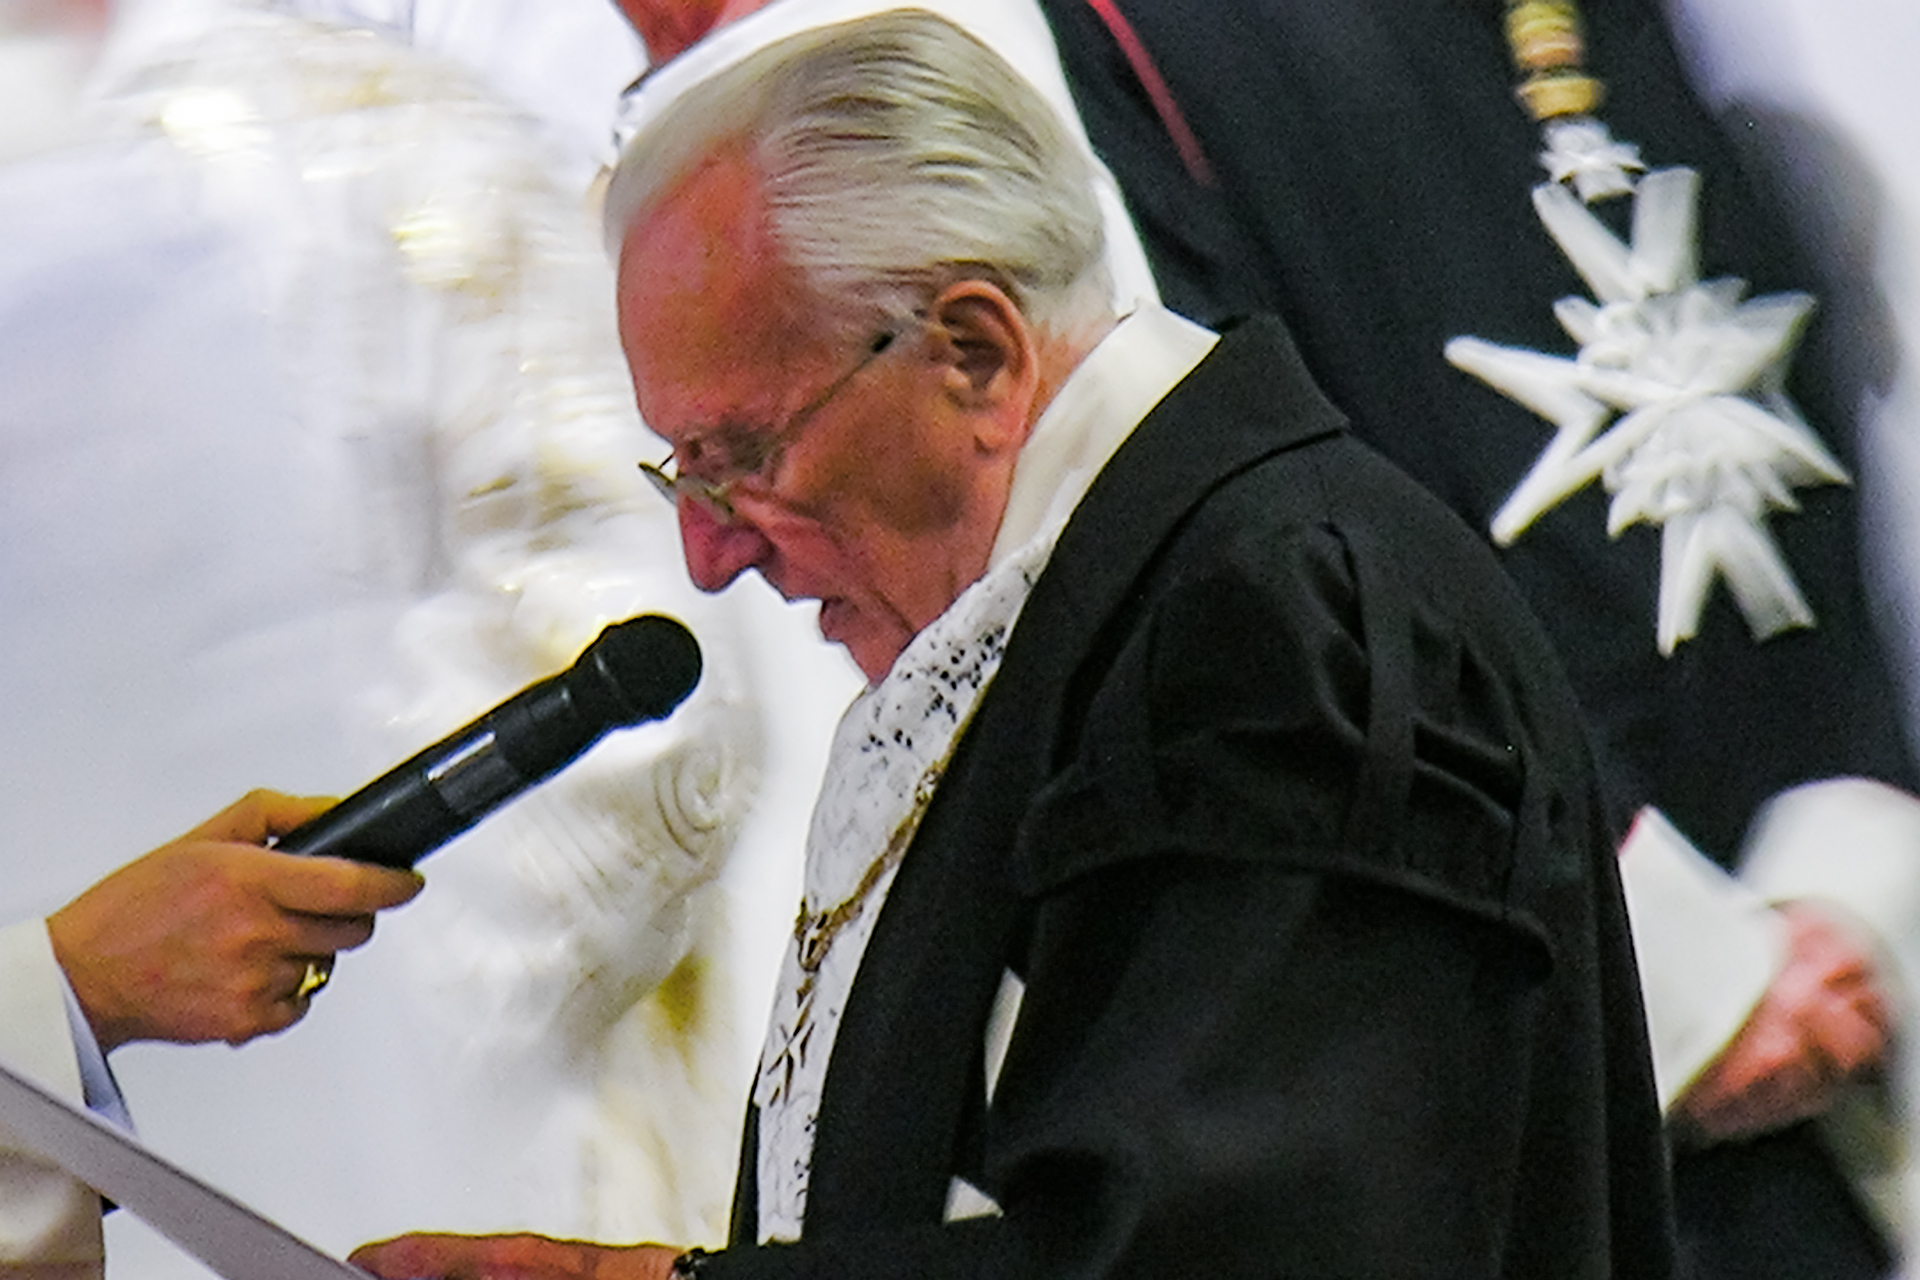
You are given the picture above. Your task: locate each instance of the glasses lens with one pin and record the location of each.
(710, 463)
(726, 455)
(711, 497)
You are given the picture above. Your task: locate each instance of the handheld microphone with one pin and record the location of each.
(637, 670)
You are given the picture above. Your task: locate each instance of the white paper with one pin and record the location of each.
(227, 1236)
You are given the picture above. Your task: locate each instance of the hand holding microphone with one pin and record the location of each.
(212, 937)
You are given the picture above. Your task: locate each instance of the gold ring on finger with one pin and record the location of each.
(318, 974)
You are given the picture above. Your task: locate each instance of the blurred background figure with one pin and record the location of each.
(1428, 191)
(1822, 114)
(315, 442)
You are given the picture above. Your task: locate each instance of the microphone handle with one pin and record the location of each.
(419, 805)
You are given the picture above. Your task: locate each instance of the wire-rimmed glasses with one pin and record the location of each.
(709, 464)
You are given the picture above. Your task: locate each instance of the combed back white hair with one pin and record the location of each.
(896, 154)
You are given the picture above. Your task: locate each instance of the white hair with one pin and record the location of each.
(896, 154)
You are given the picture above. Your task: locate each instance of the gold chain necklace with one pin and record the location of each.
(814, 931)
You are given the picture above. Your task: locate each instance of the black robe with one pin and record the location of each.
(1369, 179)
(1281, 807)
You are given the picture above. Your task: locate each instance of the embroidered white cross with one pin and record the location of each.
(1675, 402)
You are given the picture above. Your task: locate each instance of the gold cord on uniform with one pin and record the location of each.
(1550, 50)
(1548, 47)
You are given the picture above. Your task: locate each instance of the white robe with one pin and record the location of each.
(318, 442)
(49, 1224)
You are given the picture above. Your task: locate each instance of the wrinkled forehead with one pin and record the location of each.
(704, 293)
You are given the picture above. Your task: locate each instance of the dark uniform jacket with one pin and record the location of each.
(1282, 809)
(1368, 178)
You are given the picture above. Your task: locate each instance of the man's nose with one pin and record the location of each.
(718, 552)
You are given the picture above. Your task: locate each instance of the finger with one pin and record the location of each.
(1763, 1080)
(1758, 1106)
(258, 815)
(324, 935)
(334, 886)
(420, 1256)
(1866, 1000)
(1825, 945)
(1825, 996)
(1874, 1006)
(400, 1258)
(1835, 964)
(271, 1016)
(296, 979)
(1852, 1041)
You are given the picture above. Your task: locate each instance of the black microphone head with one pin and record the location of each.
(640, 669)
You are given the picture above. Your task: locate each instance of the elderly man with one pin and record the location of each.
(1212, 878)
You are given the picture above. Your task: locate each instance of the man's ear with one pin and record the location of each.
(993, 362)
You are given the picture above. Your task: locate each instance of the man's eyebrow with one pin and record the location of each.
(729, 435)
(727, 428)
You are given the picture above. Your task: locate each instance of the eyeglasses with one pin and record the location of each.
(713, 462)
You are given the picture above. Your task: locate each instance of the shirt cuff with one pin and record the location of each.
(1851, 845)
(98, 1089)
(1707, 946)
